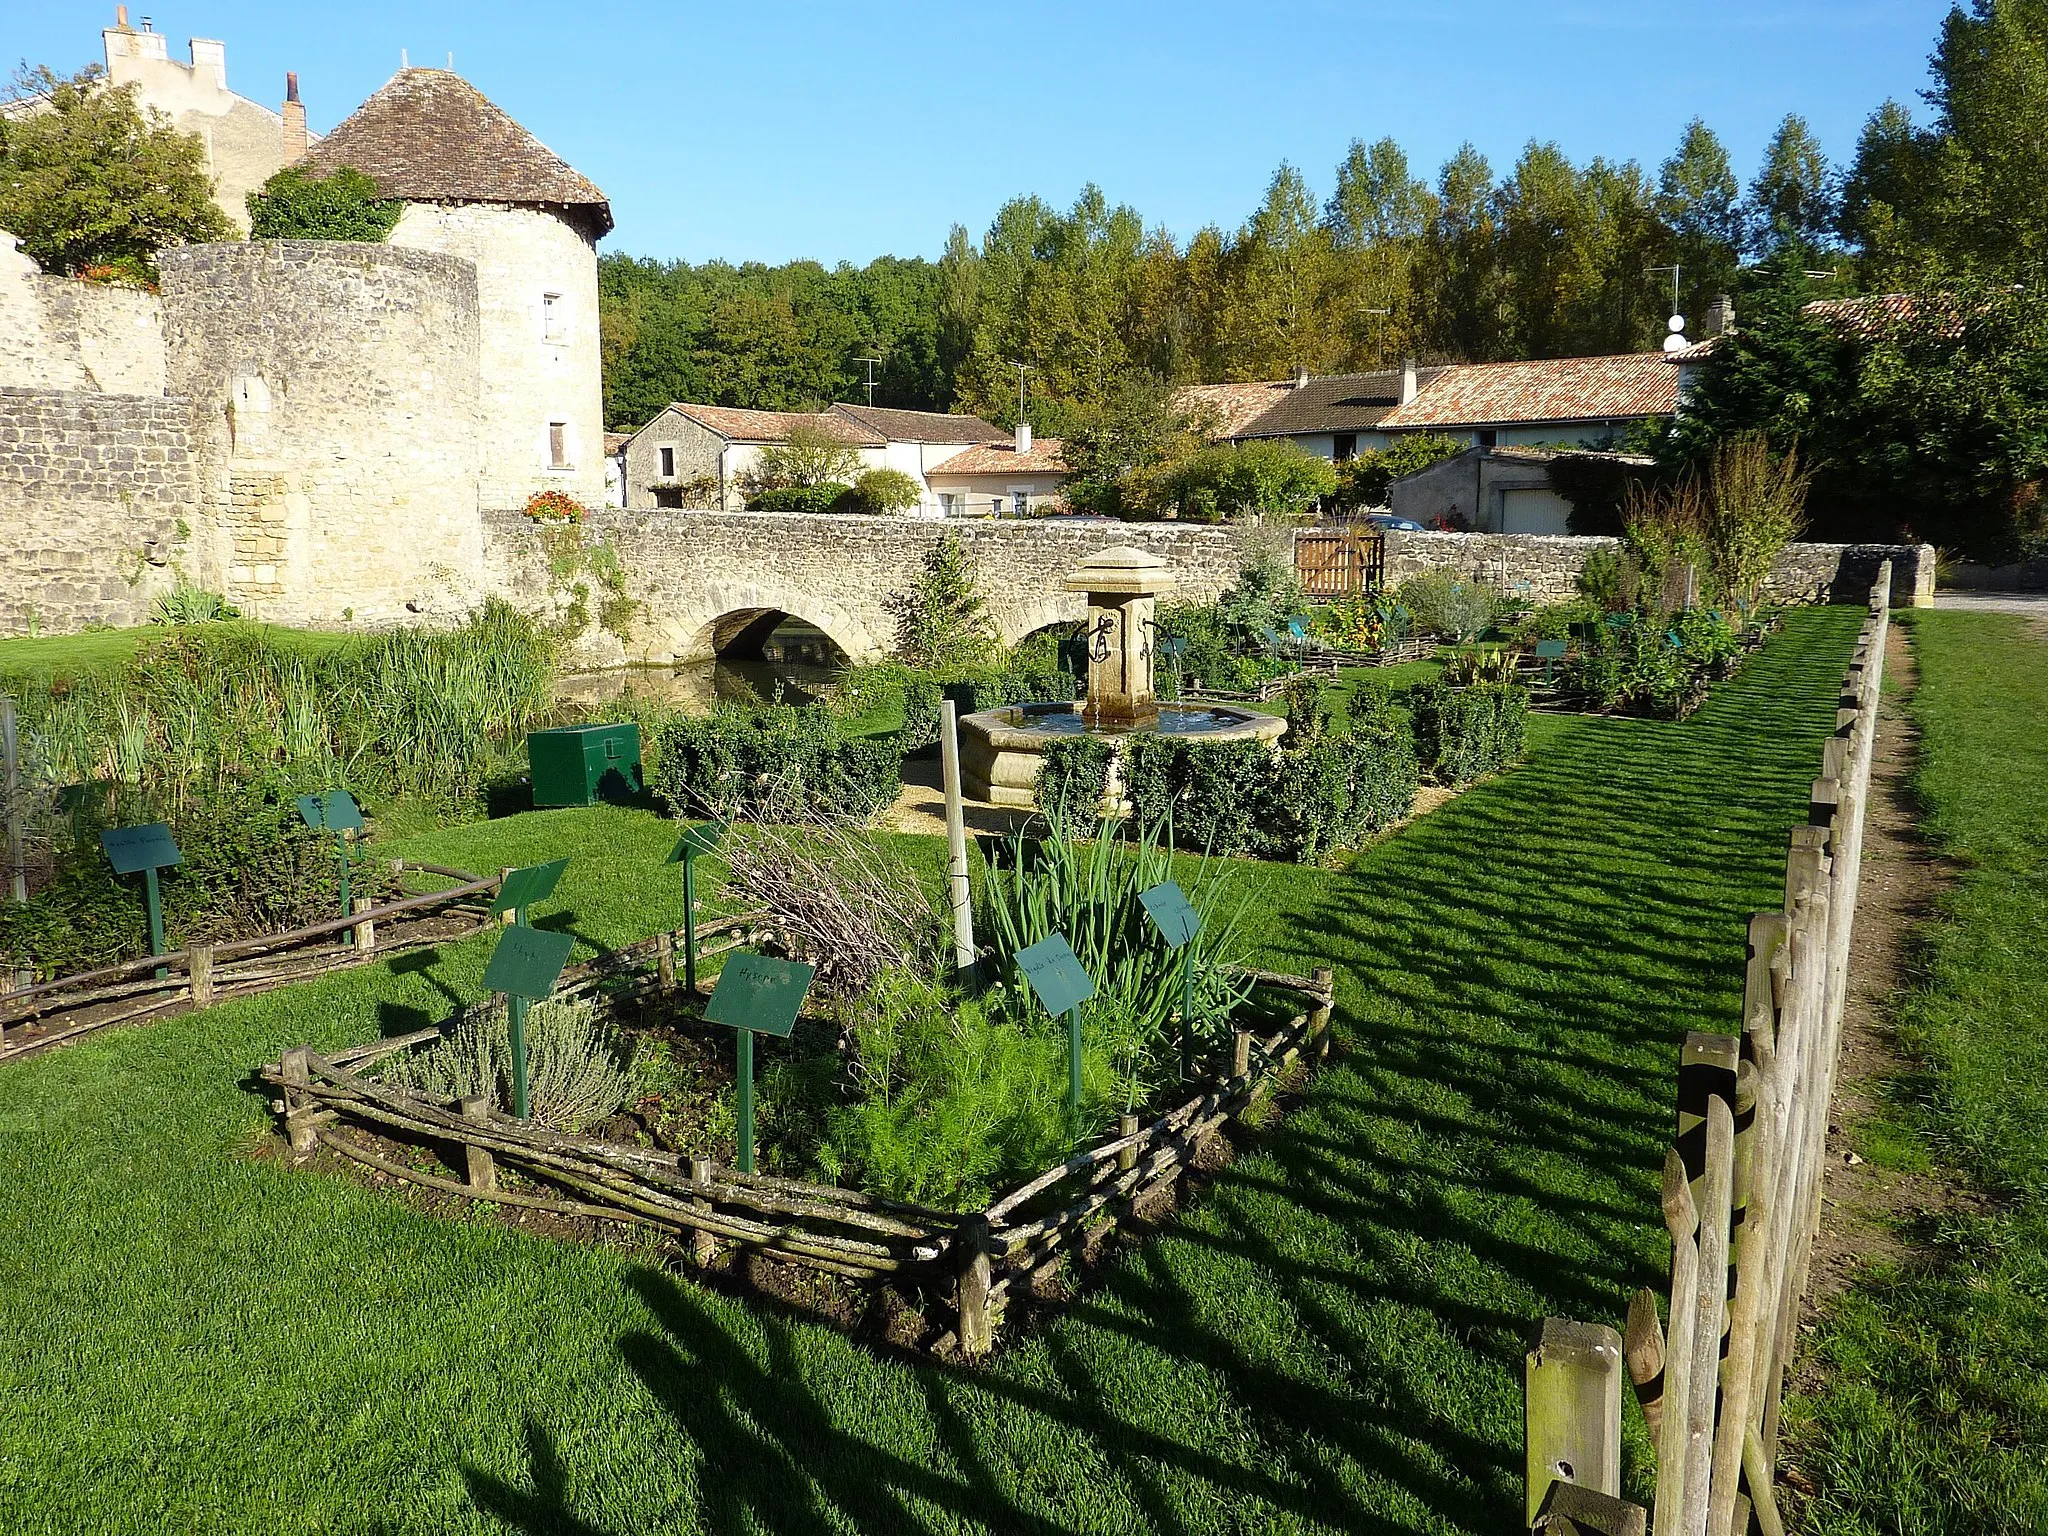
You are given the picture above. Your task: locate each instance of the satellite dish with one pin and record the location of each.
(1675, 343)
(1675, 324)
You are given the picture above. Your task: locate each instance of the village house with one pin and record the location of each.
(694, 455)
(1568, 401)
(1014, 477)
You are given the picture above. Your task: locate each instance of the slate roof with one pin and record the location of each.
(429, 136)
(1559, 389)
(920, 426)
(1045, 458)
(738, 426)
(1336, 402)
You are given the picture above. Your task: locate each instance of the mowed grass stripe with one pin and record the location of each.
(194, 1338)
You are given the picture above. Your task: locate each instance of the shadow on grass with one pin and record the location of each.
(1331, 1338)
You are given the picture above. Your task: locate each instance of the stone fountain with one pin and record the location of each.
(1001, 749)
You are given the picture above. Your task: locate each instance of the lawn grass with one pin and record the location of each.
(1934, 1415)
(42, 659)
(194, 1337)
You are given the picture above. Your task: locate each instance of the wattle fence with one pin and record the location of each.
(1742, 1201)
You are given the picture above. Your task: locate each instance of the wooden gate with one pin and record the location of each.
(1338, 559)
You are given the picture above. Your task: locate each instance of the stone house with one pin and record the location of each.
(246, 142)
(1010, 478)
(702, 456)
(1578, 401)
(1491, 490)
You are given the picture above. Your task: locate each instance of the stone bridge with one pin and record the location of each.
(709, 583)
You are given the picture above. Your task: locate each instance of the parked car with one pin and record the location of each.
(1386, 522)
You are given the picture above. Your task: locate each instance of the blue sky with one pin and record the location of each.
(775, 129)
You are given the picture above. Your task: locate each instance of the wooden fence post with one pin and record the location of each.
(297, 1072)
(1319, 1021)
(365, 930)
(976, 1331)
(1241, 1054)
(1710, 1320)
(665, 960)
(1571, 1424)
(703, 1246)
(1681, 1219)
(480, 1167)
(199, 969)
(1127, 1159)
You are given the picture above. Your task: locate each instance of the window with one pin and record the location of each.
(668, 463)
(558, 445)
(1484, 437)
(1020, 503)
(551, 317)
(1345, 447)
(946, 500)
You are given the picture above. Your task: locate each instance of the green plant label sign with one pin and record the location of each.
(527, 961)
(1167, 905)
(333, 811)
(523, 887)
(701, 838)
(1055, 974)
(133, 849)
(760, 993)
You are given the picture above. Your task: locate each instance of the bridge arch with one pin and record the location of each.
(726, 615)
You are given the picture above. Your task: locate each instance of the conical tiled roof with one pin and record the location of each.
(429, 136)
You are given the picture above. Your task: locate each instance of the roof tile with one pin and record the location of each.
(1560, 389)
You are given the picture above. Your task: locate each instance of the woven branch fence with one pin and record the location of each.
(200, 975)
(984, 1257)
(1742, 1201)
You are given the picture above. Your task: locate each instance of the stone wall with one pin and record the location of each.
(702, 577)
(96, 491)
(336, 386)
(1550, 565)
(59, 333)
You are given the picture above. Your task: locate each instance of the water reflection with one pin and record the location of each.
(796, 658)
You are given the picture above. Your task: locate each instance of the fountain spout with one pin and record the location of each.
(1121, 584)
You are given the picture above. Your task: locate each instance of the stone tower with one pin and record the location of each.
(480, 187)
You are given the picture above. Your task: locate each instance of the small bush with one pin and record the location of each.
(824, 497)
(578, 1072)
(187, 604)
(1074, 776)
(297, 205)
(1443, 605)
(880, 491)
(775, 764)
(1464, 733)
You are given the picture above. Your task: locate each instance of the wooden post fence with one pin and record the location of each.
(1742, 1185)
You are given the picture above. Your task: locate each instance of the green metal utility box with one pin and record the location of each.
(582, 764)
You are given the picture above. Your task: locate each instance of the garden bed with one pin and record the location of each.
(937, 1278)
(199, 975)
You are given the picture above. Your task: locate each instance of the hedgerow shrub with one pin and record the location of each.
(1033, 677)
(778, 763)
(1441, 604)
(1463, 733)
(1073, 775)
(802, 498)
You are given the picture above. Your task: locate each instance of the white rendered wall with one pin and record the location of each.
(528, 380)
(244, 140)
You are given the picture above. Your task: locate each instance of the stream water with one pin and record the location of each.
(797, 660)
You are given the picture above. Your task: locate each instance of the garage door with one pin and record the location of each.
(1535, 510)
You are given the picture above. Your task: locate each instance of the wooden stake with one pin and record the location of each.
(1571, 1427)
(365, 929)
(297, 1071)
(199, 967)
(1241, 1053)
(977, 1332)
(10, 789)
(1319, 1019)
(482, 1168)
(665, 960)
(956, 839)
(1711, 1319)
(1642, 1351)
(1127, 1125)
(703, 1245)
(1681, 1219)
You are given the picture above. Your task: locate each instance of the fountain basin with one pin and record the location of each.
(1001, 750)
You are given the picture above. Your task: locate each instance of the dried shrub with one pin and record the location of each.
(839, 902)
(578, 1071)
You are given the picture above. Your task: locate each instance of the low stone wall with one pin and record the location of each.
(1550, 565)
(96, 496)
(698, 576)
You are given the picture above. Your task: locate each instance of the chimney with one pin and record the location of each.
(1408, 384)
(1720, 316)
(1301, 378)
(121, 17)
(1023, 438)
(294, 120)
